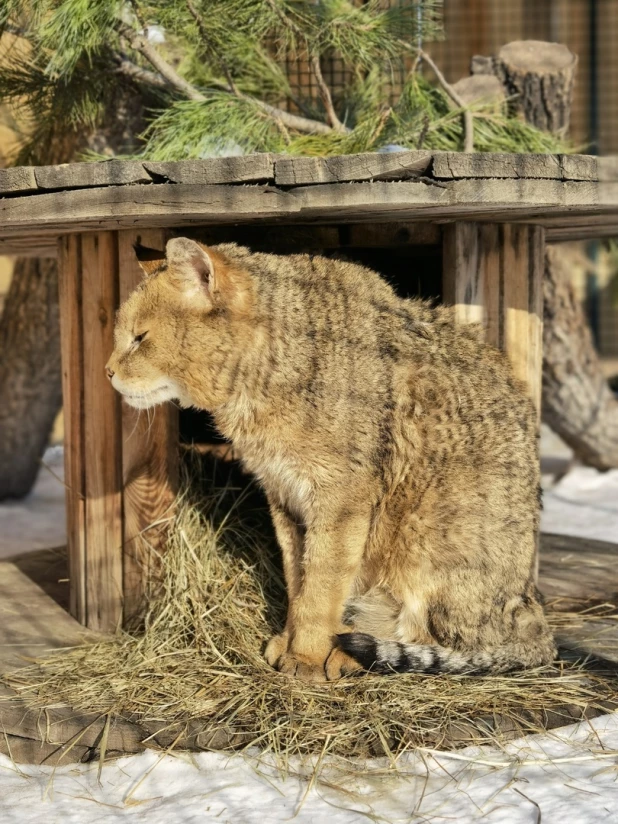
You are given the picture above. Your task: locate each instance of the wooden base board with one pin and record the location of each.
(33, 624)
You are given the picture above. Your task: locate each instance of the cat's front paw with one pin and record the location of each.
(276, 647)
(301, 667)
(339, 664)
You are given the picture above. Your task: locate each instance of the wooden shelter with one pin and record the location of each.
(488, 218)
(490, 213)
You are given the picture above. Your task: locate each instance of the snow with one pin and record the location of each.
(38, 521)
(583, 504)
(569, 776)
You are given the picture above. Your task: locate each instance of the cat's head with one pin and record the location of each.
(177, 330)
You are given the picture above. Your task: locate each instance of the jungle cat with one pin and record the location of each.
(398, 453)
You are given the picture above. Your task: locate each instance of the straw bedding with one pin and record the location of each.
(198, 660)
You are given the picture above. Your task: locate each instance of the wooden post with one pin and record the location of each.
(107, 482)
(493, 275)
(149, 458)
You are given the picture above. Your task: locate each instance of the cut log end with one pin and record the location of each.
(537, 57)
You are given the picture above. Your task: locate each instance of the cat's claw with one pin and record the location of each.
(275, 648)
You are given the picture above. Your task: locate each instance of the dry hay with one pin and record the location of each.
(198, 663)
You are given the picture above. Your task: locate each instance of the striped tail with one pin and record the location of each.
(388, 657)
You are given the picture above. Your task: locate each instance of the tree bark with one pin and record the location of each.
(577, 401)
(539, 78)
(30, 377)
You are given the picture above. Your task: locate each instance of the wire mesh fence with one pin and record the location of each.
(588, 27)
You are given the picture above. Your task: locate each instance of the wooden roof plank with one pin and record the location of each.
(90, 175)
(302, 171)
(19, 179)
(457, 165)
(253, 168)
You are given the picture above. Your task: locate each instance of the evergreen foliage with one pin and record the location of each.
(213, 73)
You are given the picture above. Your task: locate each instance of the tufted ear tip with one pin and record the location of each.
(179, 249)
(191, 268)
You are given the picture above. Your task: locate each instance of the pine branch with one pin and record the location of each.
(204, 35)
(138, 73)
(467, 114)
(141, 44)
(325, 94)
(171, 76)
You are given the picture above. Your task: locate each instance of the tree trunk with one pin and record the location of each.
(539, 78)
(577, 401)
(30, 377)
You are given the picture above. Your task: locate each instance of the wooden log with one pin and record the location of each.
(493, 275)
(577, 401)
(102, 435)
(540, 76)
(30, 393)
(480, 89)
(149, 460)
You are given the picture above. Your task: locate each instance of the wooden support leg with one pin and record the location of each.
(106, 480)
(493, 275)
(149, 459)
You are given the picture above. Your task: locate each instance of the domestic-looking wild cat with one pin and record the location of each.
(397, 451)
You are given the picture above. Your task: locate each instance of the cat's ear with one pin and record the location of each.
(150, 260)
(190, 267)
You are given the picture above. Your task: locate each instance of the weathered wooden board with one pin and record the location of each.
(102, 435)
(71, 343)
(138, 206)
(287, 170)
(578, 569)
(452, 165)
(88, 175)
(299, 171)
(31, 623)
(20, 179)
(232, 170)
(149, 458)
(493, 275)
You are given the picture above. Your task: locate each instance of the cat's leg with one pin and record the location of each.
(290, 537)
(334, 546)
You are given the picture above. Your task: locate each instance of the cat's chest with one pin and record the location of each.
(283, 474)
(282, 468)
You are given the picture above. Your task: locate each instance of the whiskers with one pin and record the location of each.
(138, 423)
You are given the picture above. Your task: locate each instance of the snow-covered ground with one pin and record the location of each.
(567, 777)
(38, 522)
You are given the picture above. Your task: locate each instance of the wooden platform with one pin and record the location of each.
(572, 196)
(33, 623)
(488, 217)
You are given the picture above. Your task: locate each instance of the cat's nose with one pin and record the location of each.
(109, 372)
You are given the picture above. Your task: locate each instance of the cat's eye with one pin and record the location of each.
(139, 338)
